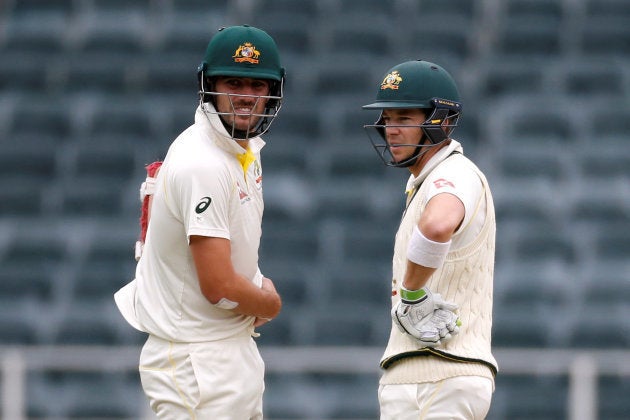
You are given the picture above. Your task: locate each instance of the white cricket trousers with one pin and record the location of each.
(218, 380)
(461, 398)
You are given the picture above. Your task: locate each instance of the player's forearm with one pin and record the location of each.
(260, 302)
(424, 257)
(222, 286)
(241, 296)
(416, 276)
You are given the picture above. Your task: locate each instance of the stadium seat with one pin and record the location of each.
(93, 197)
(86, 326)
(534, 9)
(176, 76)
(282, 8)
(530, 38)
(508, 77)
(299, 243)
(19, 281)
(21, 198)
(105, 160)
(593, 79)
(92, 90)
(190, 40)
(95, 73)
(291, 396)
(119, 33)
(531, 163)
(522, 328)
(16, 330)
(604, 213)
(613, 403)
(356, 39)
(369, 283)
(349, 396)
(592, 330)
(36, 28)
(604, 32)
(609, 291)
(447, 43)
(37, 121)
(435, 10)
(90, 395)
(360, 326)
(289, 130)
(295, 283)
(538, 397)
(348, 79)
(20, 73)
(108, 265)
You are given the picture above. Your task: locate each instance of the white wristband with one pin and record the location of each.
(425, 252)
(226, 304)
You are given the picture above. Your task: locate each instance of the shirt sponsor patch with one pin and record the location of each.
(242, 194)
(443, 183)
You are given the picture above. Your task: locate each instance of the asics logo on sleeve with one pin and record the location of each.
(204, 203)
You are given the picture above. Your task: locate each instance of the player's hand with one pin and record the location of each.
(425, 316)
(439, 329)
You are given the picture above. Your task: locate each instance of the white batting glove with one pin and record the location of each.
(439, 329)
(425, 316)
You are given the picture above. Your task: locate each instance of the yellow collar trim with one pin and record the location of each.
(246, 159)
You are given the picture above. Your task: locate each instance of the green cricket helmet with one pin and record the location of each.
(243, 51)
(422, 85)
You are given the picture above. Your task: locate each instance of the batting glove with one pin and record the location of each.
(425, 316)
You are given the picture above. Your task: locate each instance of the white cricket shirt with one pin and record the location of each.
(202, 189)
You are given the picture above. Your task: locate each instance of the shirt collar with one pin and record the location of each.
(414, 182)
(210, 123)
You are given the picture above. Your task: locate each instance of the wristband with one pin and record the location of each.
(413, 296)
(225, 303)
(425, 252)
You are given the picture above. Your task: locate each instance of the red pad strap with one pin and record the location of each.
(144, 215)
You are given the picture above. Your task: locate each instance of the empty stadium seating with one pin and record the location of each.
(93, 90)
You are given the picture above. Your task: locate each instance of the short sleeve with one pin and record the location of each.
(459, 180)
(205, 194)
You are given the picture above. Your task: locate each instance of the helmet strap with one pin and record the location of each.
(433, 131)
(420, 150)
(432, 127)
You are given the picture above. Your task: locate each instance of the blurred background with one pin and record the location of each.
(93, 90)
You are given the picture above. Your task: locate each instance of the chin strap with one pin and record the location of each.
(147, 189)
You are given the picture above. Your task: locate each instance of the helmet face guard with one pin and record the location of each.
(247, 52)
(444, 115)
(259, 122)
(416, 85)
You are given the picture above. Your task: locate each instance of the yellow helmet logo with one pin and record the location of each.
(391, 81)
(246, 53)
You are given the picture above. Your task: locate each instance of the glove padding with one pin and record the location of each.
(426, 316)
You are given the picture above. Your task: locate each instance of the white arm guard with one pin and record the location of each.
(147, 188)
